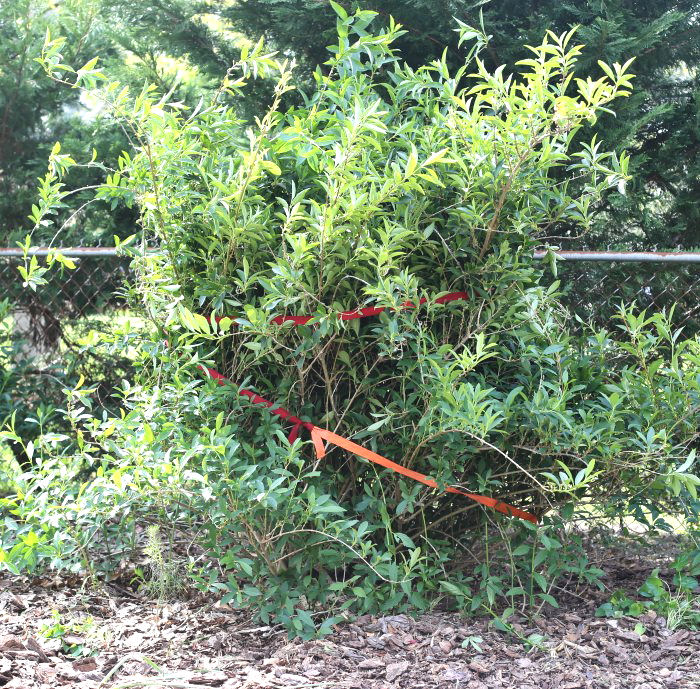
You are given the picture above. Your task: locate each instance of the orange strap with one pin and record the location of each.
(318, 435)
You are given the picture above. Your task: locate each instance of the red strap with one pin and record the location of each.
(364, 312)
(256, 399)
(318, 435)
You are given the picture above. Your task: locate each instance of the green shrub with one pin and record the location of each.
(375, 192)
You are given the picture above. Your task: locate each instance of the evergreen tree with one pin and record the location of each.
(35, 112)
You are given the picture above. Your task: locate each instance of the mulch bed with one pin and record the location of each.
(199, 643)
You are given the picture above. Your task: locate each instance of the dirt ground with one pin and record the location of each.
(199, 643)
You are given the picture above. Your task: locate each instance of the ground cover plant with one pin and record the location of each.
(387, 187)
(113, 638)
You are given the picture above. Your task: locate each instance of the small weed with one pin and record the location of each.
(166, 576)
(535, 641)
(473, 642)
(680, 612)
(69, 632)
(676, 607)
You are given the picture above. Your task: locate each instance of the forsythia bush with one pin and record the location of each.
(383, 186)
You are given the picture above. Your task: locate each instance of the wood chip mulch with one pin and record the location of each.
(195, 644)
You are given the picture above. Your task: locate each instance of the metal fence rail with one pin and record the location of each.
(626, 256)
(605, 256)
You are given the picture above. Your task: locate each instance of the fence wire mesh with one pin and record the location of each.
(69, 299)
(50, 339)
(593, 291)
(47, 341)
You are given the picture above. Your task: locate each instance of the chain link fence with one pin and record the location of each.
(70, 299)
(593, 285)
(49, 341)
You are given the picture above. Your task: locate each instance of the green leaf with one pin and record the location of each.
(305, 618)
(338, 9)
(412, 162)
(271, 167)
(147, 434)
(541, 581)
(30, 539)
(547, 598)
(89, 65)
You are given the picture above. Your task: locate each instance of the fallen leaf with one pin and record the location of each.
(33, 645)
(85, 664)
(254, 678)
(213, 678)
(17, 602)
(289, 677)
(445, 646)
(9, 642)
(479, 667)
(454, 675)
(628, 636)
